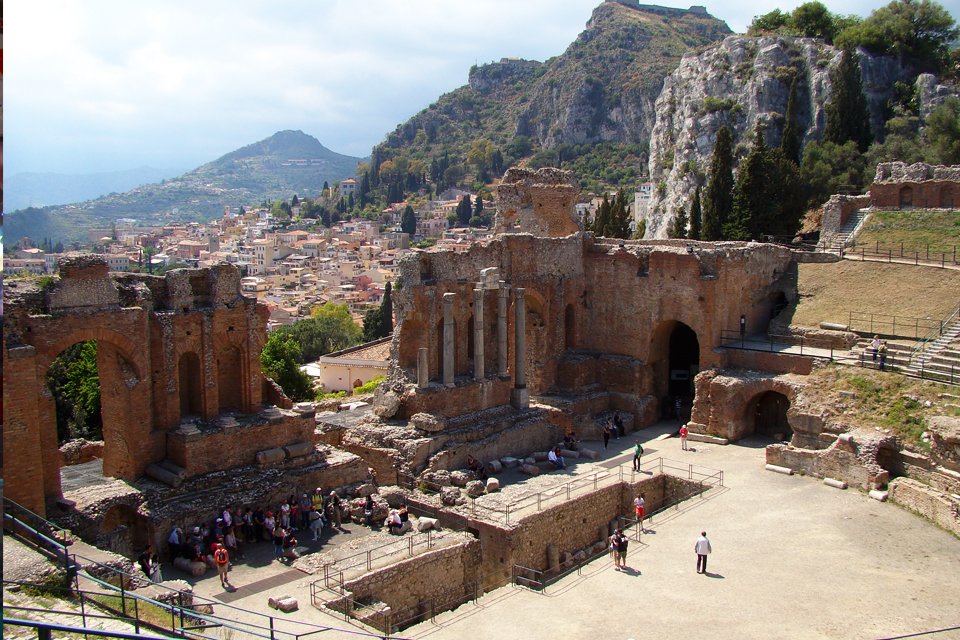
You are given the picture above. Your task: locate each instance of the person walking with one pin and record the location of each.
(683, 436)
(637, 452)
(703, 549)
(615, 549)
(875, 346)
(883, 354)
(222, 558)
(606, 434)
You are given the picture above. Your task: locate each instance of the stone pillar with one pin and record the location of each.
(423, 368)
(502, 294)
(448, 339)
(520, 395)
(478, 372)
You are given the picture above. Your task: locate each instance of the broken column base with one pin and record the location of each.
(520, 398)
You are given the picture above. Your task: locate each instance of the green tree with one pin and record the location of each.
(790, 140)
(75, 386)
(749, 192)
(919, 33)
(813, 20)
(771, 22)
(601, 220)
(280, 361)
(847, 115)
(678, 228)
(827, 168)
(696, 216)
(718, 197)
(408, 221)
(943, 132)
(464, 211)
(619, 226)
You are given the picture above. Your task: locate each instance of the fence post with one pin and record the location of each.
(123, 597)
(272, 636)
(368, 561)
(136, 616)
(690, 472)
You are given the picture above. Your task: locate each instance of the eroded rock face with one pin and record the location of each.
(539, 201)
(945, 441)
(738, 83)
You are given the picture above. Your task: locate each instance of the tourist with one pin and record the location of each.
(368, 507)
(404, 516)
(231, 544)
(703, 549)
(392, 523)
(621, 550)
(249, 533)
(146, 561)
(615, 548)
(637, 452)
(875, 347)
(335, 510)
(618, 424)
(285, 515)
(570, 442)
(227, 518)
(260, 531)
(279, 533)
(305, 504)
(317, 499)
(290, 546)
(607, 430)
(683, 436)
(269, 524)
(176, 542)
(477, 467)
(639, 507)
(556, 459)
(222, 559)
(883, 354)
(316, 522)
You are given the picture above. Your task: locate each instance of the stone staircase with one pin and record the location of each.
(847, 231)
(940, 358)
(898, 355)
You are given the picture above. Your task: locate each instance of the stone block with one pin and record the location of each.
(569, 453)
(393, 496)
(460, 478)
(283, 603)
(509, 462)
(540, 456)
(529, 461)
(475, 488)
(298, 449)
(590, 454)
(449, 495)
(836, 484)
(270, 456)
(882, 496)
(493, 485)
(365, 490)
(157, 472)
(195, 569)
(494, 466)
(427, 422)
(530, 469)
(425, 524)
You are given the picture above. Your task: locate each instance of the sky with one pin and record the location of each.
(106, 85)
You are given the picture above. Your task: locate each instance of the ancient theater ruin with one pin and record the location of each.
(530, 341)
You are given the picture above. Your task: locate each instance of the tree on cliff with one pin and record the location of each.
(601, 220)
(696, 217)
(678, 228)
(718, 197)
(790, 140)
(280, 361)
(828, 168)
(408, 221)
(619, 226)
(847, 115)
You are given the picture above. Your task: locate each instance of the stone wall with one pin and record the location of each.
(934, 505)
(770, 362)
(898, 185)
(537, 201)
(851, 459)
(836, 211)
(723, 400)
(432, 581)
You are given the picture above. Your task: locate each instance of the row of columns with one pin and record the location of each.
(520, 395)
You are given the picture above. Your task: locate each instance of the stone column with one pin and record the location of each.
(478, 372)
(520, 395)
(502, 294)
(423, 367)
(448, 338)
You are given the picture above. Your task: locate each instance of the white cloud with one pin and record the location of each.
(109, 84)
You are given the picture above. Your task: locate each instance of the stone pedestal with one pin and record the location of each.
(423, 367)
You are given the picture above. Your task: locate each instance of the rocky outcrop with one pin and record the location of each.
(740, 82)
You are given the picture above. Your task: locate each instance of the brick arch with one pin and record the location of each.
(538, 331)
(658, 354)
(740, 421)
(124, 345)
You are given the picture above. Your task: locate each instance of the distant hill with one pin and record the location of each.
(595, 99)
(286, 163)
(30, 189)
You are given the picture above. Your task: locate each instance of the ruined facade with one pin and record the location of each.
(178, 359)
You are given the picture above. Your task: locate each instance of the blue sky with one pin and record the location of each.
(101, 85)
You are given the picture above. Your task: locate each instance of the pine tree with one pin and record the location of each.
(718, 198)
(790, 140)
(750, 198)
(601, 220)
(678, 228)
(478, 206)
(386, 311)
(847, 115)
(696, 216)
(619, 225)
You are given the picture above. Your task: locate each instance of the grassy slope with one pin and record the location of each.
(829, 292)
(915, 229)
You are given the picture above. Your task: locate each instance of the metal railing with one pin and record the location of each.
(937, 257)
(774, 343)
(934, 333)
(45, 629)
(890, 325)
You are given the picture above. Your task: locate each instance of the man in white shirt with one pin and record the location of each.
(703, 549)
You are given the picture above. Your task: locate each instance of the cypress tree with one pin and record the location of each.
(408, 222)
(602, 220)
(718, 198)
(696, 216)
(619, 225)
(678, 229)
(790, 141)
(847, 115)
(750, 195)
(386, 311)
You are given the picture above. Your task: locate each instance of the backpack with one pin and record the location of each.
(220, 555)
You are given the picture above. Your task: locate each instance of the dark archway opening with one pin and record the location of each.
(769, 412)
(191, 397)
(74, 383)
(684, 361)
(124, 531)
(906, 197)
(778, 302)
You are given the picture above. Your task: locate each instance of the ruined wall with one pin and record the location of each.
(852, 459)
(184, 343)
(929, 503)
(724, 400)
(898, 185)
(836, 211)
(537, 201)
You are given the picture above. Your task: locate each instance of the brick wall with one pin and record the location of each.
(927, 502)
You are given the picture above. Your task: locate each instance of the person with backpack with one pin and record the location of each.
(222, 558)
(637, 452)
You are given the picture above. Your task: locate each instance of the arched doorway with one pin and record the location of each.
(73, 379)
(906, 197)
(768, 412)
(684, 361)
(124, 531)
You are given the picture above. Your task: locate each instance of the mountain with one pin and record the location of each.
(29, 189)
(602, 90)
(286, 163)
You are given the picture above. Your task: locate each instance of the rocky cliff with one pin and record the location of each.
(737, 83)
